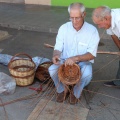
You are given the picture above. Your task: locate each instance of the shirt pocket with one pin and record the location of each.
(82, 48)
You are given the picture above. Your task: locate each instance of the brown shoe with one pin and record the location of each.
(60, 97)
(73, 99)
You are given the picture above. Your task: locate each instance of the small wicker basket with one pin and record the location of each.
(70, 74)
(42, 71)
(22, 69)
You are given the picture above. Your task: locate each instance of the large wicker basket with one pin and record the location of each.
(70, 74)
(42, 71)
(22, 69)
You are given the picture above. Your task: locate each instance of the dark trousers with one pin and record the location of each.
(117, 82)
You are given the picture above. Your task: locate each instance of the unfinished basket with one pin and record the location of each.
(69, 75)
(42, 71)
(22, 69)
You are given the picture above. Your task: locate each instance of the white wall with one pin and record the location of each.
(38, 2)
(13, 1)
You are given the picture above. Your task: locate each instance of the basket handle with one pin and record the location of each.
(19, 54)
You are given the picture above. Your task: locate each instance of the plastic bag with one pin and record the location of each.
(7, 84)
(5, 59)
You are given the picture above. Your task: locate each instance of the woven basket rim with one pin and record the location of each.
(48, 62)
(67, 82)
(32, 68)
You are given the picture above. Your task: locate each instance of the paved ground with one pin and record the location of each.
(46, 21)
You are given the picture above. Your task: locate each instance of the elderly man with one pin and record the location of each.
(109, 19)
(76, 41)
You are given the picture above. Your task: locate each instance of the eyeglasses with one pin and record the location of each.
(75, 18)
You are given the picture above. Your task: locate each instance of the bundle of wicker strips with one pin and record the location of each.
(22, 69)
(69, 74)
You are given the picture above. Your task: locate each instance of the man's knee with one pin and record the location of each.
(86, 78)
(53, 70)
(50, 69)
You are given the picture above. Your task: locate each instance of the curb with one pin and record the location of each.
(30, 28)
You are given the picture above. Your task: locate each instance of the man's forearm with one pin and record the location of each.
(116, 40)
(85, 57)
(56, 56)
(56, 53)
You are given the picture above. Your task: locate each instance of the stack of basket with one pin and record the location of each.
(22, 69)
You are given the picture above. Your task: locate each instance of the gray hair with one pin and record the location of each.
(103, 11)
(76, 5)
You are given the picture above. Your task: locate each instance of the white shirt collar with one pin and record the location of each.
(80, 29)
(112, 19)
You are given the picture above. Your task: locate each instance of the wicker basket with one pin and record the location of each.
(69, 75)
(42, 71)
(22, 69)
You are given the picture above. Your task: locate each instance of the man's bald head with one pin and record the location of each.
(101, 12)
(102, 17)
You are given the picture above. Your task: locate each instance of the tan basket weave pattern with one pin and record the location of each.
(69, 75)
(25, 80)
(22, 69)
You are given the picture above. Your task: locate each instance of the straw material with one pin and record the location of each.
(69, 75)
(22, 69)
(42, 71)
(24, 81)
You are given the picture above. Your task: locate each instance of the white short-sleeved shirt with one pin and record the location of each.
(115, 23)
(71, 42)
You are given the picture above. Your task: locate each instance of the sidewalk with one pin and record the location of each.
(35, 18)
(38, 18)
(32, 17)
(48, 19)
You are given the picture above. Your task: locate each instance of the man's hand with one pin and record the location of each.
(79, 58)
(70, 61)
(56, 59)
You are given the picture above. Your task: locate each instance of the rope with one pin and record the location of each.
(6, 115)
(102, 94)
